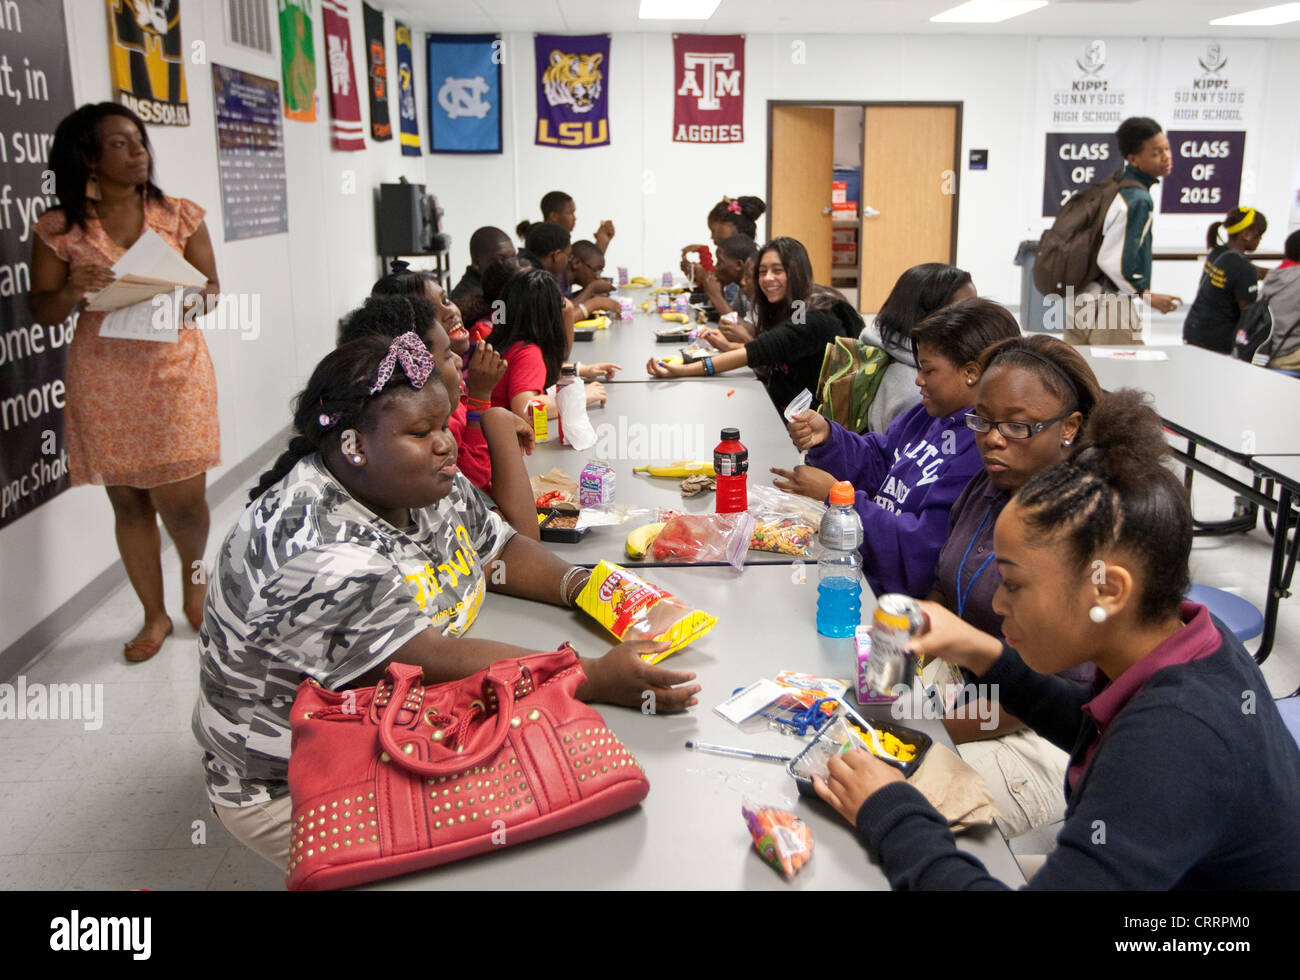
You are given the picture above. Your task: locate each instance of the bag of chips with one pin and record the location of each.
(782, 839)
(633, 609)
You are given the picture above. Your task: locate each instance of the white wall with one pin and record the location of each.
(304, 281)
(994, 77)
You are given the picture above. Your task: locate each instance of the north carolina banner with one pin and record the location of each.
(146, 61)
(346, 130)
(298, 60)
(709, 85)
(381, 129)
(572, 90)
(410, 123)
(464, 93)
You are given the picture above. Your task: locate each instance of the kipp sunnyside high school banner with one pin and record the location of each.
(572, 90)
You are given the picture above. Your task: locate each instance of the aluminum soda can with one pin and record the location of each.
(896, 620)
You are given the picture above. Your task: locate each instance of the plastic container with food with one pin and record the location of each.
(561, 527)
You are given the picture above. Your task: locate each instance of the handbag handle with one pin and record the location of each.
(403, 676)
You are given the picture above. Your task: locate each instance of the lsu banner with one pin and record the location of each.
(381, 129)
(410, 123)
(709, 104)
(346, 130)
(464, 93)
(146, 61)
(572, 90)
(298, 60)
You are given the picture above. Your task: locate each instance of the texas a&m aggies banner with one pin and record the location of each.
(709, 80)
(346, 129)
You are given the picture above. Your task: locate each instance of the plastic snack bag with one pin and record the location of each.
(633, 609)
(781, 839)
(785, 523)
(690, 539)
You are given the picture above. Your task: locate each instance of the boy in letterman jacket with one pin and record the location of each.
(907, 478)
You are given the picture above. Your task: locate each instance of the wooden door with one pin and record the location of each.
(801, 154)
(908, 176)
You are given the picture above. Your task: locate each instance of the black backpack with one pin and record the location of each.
(1067, 252)
(1254, 339)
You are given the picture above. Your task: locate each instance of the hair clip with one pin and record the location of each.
(734, 207)
(417, 363)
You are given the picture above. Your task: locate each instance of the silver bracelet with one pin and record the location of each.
(564, 585)
(571, 599)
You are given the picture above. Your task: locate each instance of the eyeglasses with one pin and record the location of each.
(1011, 430)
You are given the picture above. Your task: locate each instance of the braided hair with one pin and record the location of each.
(1116, 493)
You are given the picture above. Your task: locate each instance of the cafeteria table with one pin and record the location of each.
(1284, 472)
(689, 833)
(662, 421)
(630, 343)
(1238, 411)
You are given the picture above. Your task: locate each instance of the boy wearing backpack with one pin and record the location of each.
(1105, 310)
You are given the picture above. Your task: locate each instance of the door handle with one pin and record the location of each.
(827, 210)
(868, 211)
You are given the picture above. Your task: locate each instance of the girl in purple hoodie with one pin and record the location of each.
(906, 478)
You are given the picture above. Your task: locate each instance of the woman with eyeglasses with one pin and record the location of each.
(1033, 399)
(907, 478)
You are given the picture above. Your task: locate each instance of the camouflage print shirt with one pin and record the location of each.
(311, 583)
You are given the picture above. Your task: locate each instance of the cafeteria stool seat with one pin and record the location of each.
(1289, 708)
(1236, 613)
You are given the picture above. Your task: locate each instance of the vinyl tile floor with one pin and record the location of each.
(123, 806)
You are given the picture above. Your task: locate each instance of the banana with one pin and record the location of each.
(639, 282)
(676, 317)
(598, 322)
(648, 306)
(683, 467)
(640, 540)
(672, 290)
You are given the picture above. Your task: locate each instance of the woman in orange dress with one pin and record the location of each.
(141, 416)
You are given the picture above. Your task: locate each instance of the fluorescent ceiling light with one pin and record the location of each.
(677, 9)
(1283, 13)
(986, 11)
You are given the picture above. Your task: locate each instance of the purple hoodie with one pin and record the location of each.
(905, 481)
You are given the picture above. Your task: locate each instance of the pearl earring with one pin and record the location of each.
(1097, 615)
(1065, 442)
(357, 460)
(970, 381)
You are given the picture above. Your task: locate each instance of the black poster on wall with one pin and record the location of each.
(1072, 162)
(1206, 178)
(35, 94)
(250, 154)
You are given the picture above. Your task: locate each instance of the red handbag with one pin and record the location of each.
(402, 777)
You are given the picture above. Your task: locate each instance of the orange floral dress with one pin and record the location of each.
(139, 413)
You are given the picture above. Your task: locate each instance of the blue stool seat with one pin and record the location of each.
(1289, 708)
(1236, 613)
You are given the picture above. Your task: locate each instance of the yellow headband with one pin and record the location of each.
(1244, 223)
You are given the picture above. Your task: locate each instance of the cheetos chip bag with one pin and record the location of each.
(633, 609)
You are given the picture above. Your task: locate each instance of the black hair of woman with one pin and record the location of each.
(402, 280)
(799, 286)
(742, 248)
(1059, 367)
(534, 313)
(75, 151)
(919, 291)
(741, 212)
(544, 238)
(500, 272)
(1240, 219)
(1116, 494)
(960, 332)
(390, 316)
(336, 398)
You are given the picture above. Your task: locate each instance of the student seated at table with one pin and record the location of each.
(488, 439)
(723, 287)
(906, 478)
(729, 217)
(1182, 774)
(334, 570)
(919, 291)
(486, 245)
(796, 319)
(532, 334)
(586, 279)
(1281, 290)
(1229, 282)
(495, 277)
(1034, 396)
(558, 209)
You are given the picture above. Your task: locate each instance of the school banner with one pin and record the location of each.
(464, 93)
(709, 95)
(1086, 88)
(298, 60)
(1209, 95)
(33, 455)
(407, 118)
(146, 60)
(572, 90)
(346, 130)
(381, 128)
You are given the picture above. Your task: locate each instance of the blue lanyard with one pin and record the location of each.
(963, 596)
